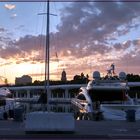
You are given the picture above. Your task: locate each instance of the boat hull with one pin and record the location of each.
(121, 107)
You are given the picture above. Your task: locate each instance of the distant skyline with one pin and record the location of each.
(84, 37)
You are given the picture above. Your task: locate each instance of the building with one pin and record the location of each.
(24, 80)
(63, 76)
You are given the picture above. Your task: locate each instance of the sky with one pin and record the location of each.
(84, 37)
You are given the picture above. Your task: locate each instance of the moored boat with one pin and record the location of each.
(110, 92)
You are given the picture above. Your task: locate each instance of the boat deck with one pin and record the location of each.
(84, 130)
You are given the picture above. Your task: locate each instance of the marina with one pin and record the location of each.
(104, 106)
(110, 96)
(60, 102)
(113, 125)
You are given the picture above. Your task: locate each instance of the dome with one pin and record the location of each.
(96, 75)
(122, 75)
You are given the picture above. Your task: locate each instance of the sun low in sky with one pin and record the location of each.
(84, 37)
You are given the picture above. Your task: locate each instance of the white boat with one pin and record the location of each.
(110, 92)
(6, 103)
(4, 92)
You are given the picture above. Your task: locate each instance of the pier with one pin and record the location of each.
(84, 130)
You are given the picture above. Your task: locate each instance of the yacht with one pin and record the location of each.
(4, 96)
(6, 103)
(4, 92)
(110, 92)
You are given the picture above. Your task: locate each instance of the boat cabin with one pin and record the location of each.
(108, 89)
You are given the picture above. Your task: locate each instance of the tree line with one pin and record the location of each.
(84, 79)
(80, 79)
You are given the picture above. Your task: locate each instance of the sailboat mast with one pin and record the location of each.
(47, 53)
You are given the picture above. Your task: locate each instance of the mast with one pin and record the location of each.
(47, 51)
(47, 54)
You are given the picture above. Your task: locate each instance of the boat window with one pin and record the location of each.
(2, 102)
(106, 95)
(81, 97)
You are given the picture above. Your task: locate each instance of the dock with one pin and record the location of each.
(85, 129)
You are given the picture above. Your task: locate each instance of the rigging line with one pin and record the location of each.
(57, 42)
(42, 43)
(127, 66)
(56, 47)
(35, 43)
(55, 39)
(64, 62)
(56, 54)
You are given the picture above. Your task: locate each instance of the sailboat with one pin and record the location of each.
(45, 120)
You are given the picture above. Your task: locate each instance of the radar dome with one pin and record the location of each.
(96, 75)
(122, 75)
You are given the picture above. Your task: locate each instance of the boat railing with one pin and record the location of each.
(79, 104)
(55, 91)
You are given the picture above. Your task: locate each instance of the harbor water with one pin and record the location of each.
(110, 114)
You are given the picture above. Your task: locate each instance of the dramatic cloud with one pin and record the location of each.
(2, 30)
(88, 36)
(29, 48)
(10, 6)
(88, 27)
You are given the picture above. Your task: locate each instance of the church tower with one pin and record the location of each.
(63, 76)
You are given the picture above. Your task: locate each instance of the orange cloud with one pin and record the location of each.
(10, 6)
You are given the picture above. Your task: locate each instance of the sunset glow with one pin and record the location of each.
(84, 37)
